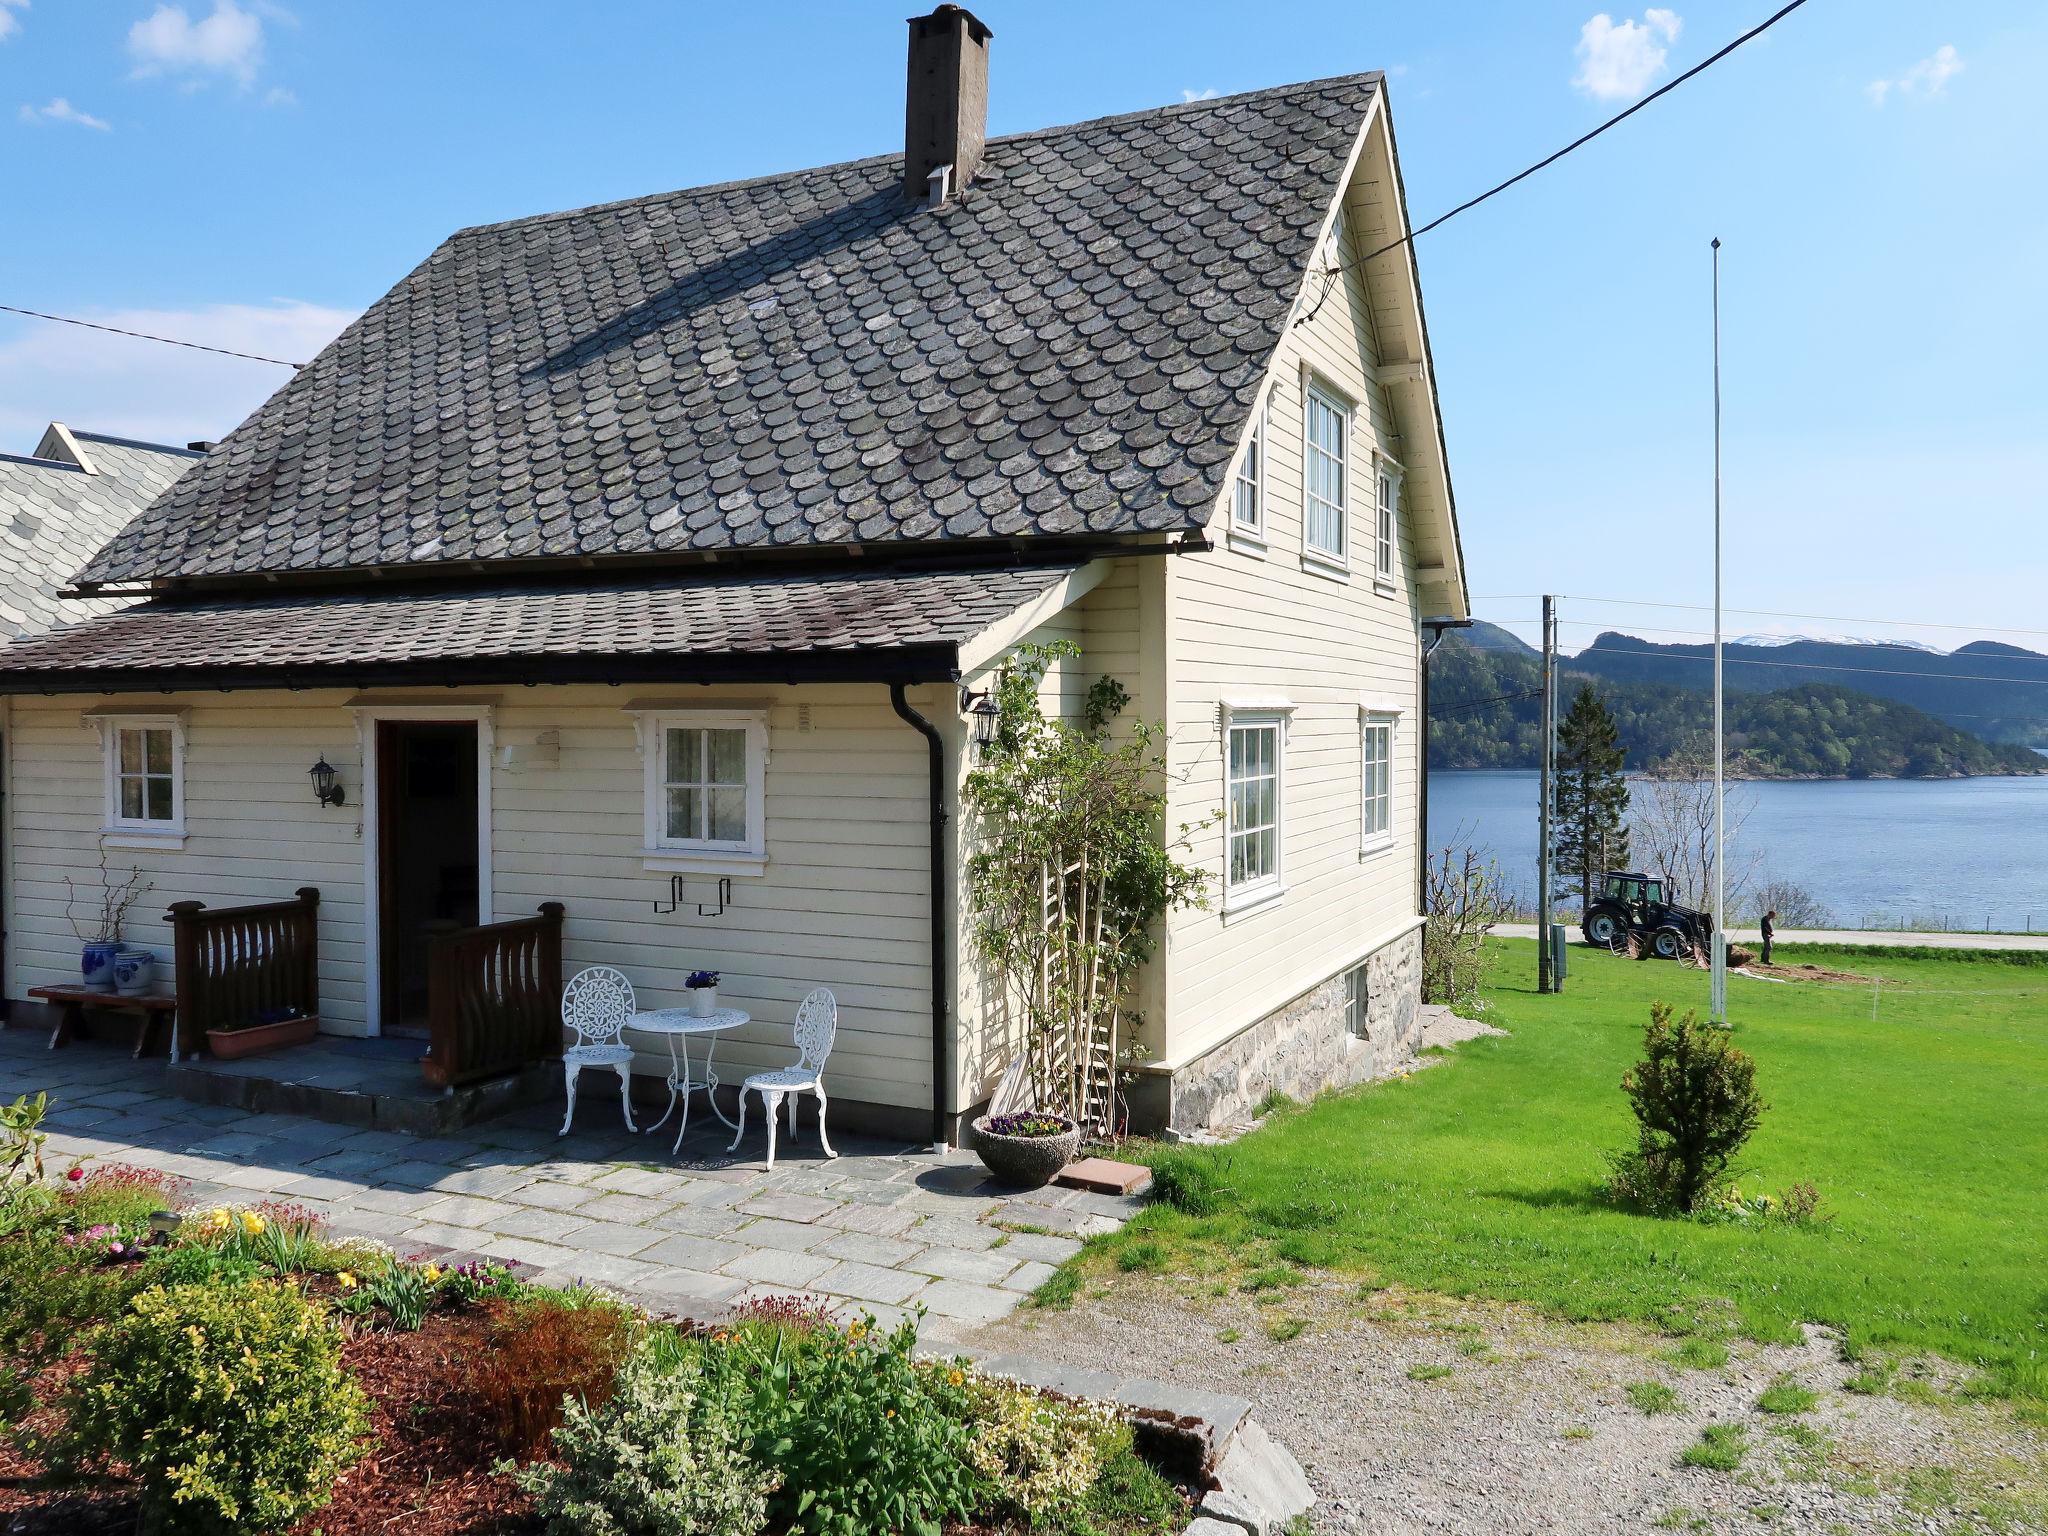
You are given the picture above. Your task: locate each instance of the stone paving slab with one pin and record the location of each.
(883, 1229)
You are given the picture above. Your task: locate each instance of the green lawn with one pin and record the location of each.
(1926, 1131)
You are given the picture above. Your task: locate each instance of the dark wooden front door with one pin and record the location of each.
(426, 855)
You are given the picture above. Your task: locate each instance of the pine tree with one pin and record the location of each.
(1589, 813)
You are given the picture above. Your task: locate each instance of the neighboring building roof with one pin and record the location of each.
(884, 625)
(59, 505)
(1071, 347)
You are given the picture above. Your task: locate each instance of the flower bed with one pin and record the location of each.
(315, 1384)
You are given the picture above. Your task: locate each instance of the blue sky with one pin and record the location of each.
(252, 175)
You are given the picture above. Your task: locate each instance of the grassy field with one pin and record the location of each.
(1926, 1131)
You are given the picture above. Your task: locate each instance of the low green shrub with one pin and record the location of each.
(866, 1437)
(1042, 1456)
(663, 1457)
(198, 1264)
(228, 1402)
(118, 1195)
(50, 1294)
(1695, 1101)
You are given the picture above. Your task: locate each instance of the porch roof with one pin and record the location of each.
(885, 625)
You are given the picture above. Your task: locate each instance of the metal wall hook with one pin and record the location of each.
(675, 898)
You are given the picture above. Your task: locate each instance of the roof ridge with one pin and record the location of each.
(1177, 108)
(136, 442)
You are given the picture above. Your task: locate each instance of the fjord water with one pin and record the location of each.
(1873, 850)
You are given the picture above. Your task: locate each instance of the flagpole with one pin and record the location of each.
(1719, 962)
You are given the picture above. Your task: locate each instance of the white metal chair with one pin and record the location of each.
(597, 1003)
(817, 1021)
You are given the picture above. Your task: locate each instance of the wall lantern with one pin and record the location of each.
(981, 709)
(326, 783)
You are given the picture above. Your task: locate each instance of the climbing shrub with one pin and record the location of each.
(1696, 1102)
(228, 1402)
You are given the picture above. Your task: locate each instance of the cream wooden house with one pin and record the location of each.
(645, 559)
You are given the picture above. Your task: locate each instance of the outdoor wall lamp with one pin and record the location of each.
(981, 709)
(326, 783)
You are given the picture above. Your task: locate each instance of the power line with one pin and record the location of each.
(169, 341)
(1331, 274)
(1769, 613)
(1504, 698)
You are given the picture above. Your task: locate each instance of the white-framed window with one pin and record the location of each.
(1325, 458)
(1376, 780)
(706, 782)
(1358, 1001)
(1248, 490)
(1389, 500)
(1254, 787)
(145, 775)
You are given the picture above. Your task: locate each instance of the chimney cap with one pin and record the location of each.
(982, 30)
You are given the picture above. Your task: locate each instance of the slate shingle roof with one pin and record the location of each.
(1070, 348)
(878, 623)
(54, 515)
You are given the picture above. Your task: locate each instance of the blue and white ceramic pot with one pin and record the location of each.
(98, 965)
(134, 972)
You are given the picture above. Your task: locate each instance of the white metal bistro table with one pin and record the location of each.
(679, 1026)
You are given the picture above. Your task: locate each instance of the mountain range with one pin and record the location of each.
(1798, 708)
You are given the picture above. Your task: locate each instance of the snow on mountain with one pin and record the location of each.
(1834, 639)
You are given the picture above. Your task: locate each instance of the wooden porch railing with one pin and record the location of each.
(236, 964)
(494, 998)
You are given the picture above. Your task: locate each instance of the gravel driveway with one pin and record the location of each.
(1523, 1424)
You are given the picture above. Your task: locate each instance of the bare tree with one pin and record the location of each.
(1796, 906)
(1671, 830)
(1465, 897)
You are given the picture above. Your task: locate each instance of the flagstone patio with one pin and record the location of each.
(884, 1227)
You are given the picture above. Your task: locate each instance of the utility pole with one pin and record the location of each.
(1719, 967)
(1545, 982)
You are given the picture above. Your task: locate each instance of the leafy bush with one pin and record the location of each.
(661, 1458)
(1695, 1101)
(116, 1194)
(21, 1142)
(1041, 1455)
(228, 1402)
(866, 1438)
(49, 1295)
(542, 1352)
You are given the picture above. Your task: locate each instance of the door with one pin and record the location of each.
(427, 859)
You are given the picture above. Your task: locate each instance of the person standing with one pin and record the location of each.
(1770, 926)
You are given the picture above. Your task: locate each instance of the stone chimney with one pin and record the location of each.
(945, 110)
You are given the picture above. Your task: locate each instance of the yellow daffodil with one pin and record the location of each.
(252, 1223)
(955, 1376)
(433, 1273)
(345, 1280)
(890, 1414)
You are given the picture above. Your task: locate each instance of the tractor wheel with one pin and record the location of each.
(1669, 944)
(1603, 930)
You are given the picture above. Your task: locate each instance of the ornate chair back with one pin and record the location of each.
(817, 1021)
(596, 1003)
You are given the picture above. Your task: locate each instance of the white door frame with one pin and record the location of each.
(367, 718)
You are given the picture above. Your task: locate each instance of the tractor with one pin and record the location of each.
(1632, 906)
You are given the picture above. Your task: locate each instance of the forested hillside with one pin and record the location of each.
(1484, 714)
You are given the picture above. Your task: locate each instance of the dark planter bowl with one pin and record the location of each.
(1026, 1161)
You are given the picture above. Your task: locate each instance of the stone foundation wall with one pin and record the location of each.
(1302, 1049)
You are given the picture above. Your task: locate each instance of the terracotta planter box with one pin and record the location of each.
(233, 1044)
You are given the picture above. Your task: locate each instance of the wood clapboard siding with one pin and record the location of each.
(1244, 626)
(843, 903)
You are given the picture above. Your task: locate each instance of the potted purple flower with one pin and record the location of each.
(703, 989)
(1028, 1148)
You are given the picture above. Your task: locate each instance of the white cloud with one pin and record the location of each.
(61, 111)
(1926, 81)
(1189, 94)
(169, 42)
(9, 22)
(1618, 60)
(280, 96)
(143, 389)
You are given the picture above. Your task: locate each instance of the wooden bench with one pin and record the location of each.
(148, 1010)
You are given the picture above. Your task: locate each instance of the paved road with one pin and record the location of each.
(1845, 936)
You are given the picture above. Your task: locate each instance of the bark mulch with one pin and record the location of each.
(427, 1471)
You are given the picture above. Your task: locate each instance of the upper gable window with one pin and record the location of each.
(145, 775)
(1248, 491)
(1326, 435)
(1383, 542)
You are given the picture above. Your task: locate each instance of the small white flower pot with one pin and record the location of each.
(703, 1001)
